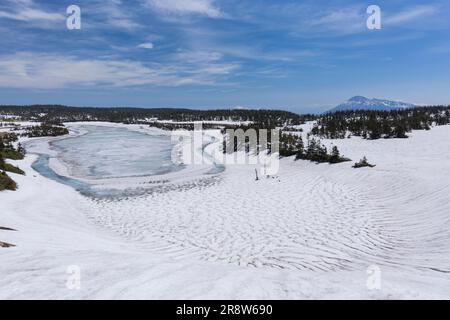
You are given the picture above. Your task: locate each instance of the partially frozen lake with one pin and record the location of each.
(94, 154)
(114, 152)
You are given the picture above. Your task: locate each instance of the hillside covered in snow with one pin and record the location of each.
(313, 231)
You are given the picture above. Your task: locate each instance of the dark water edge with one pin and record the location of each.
(41, 165)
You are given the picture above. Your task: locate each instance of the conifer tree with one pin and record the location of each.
(335, 155)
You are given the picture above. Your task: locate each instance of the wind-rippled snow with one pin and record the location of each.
(310, 232)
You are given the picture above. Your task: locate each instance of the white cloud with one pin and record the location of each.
(25, 10)
(346, 20)
(110, 14)
(256, 53)
(41, 71)
(202, 7)
(147, 45)
(117, 14)
(410, 15)
(198, 56)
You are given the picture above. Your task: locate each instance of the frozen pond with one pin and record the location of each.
(103, 153)
(112, 152)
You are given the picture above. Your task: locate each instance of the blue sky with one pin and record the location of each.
(304, 56)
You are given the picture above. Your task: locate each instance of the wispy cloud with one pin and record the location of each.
(26, 10)
(260, 54)
(411, 14)
(110, 14)
(41, 71)
(343, 20)
(198, 56)
(182, 7)
(146, 45)
(304, 18)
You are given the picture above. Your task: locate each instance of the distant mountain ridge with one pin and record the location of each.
(363, 103)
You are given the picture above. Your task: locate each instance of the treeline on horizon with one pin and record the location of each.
(369, 124)
(380, 124)
(55, 113)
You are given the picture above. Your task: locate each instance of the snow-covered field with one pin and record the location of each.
(311, 232)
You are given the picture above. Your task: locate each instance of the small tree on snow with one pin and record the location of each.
(363, 163)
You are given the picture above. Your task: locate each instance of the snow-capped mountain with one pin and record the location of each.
(363, 103)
